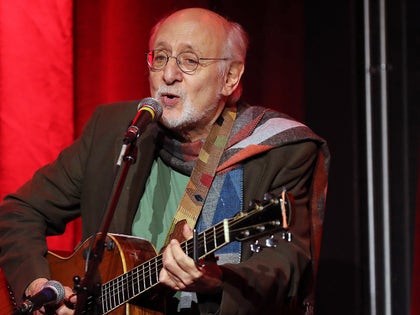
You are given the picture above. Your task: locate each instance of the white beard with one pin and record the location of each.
(189, 116)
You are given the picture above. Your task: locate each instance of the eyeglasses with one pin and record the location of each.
(186, 61)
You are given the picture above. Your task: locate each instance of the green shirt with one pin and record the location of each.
(164, 190)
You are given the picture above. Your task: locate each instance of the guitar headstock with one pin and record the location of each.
(263, 217)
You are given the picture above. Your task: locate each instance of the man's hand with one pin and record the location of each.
(180, 272)
(70, 299)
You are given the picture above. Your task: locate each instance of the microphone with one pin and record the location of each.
(52, 293)
(148, 110)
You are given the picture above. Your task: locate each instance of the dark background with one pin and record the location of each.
(319, 49)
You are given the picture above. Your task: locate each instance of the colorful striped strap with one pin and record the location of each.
(203, 173)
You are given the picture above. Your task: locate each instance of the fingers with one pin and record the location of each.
(69, 304)
(35, 286)
(64, 310)
(187, 232)
(179, 271)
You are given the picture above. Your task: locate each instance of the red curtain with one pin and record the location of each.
(36, 71)
(59, 59)
(36, 86)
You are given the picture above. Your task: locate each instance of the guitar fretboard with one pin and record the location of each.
(129, 285)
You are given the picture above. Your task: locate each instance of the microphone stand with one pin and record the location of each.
(89, 288)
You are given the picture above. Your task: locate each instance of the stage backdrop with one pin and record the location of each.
(59, 59)
(36, 86)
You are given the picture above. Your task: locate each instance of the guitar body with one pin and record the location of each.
(121, 254)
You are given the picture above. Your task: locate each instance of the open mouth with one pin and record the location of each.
(169, 95)
(169, 99)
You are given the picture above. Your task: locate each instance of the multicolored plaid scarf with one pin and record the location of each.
(255, 130)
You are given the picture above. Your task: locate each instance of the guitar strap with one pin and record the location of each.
(203, 173)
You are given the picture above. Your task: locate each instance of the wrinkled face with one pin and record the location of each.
(191, 102)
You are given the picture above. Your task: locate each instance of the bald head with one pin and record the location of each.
(196, 26)
(197, 14)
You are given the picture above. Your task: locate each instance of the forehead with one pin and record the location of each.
(202, 32)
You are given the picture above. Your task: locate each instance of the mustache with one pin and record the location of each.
(165, 90)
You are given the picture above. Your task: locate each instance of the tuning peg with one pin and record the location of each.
(255, 205)
(287, 236)
(269, 197)
(256, 248)
(245, 233)
(260, 228)
(251, 205)
(271, 242)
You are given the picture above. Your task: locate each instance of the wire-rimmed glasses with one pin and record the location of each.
(187, 61)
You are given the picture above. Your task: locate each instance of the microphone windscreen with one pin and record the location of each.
(152, 103)
(58, 289)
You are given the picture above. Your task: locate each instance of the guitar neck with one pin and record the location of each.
(138, 280)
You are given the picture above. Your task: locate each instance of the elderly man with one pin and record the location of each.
(210, 154)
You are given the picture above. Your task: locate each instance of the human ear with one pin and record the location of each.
(233, 77)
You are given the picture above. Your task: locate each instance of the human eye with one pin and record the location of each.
(188, 59)
(159, 57)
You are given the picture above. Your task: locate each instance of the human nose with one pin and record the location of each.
(172, 72)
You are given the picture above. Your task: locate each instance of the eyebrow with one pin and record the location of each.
(184, 47)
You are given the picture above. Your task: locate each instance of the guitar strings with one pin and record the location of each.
(145, 276)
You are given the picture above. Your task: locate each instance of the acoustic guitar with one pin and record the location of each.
(130, 266)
